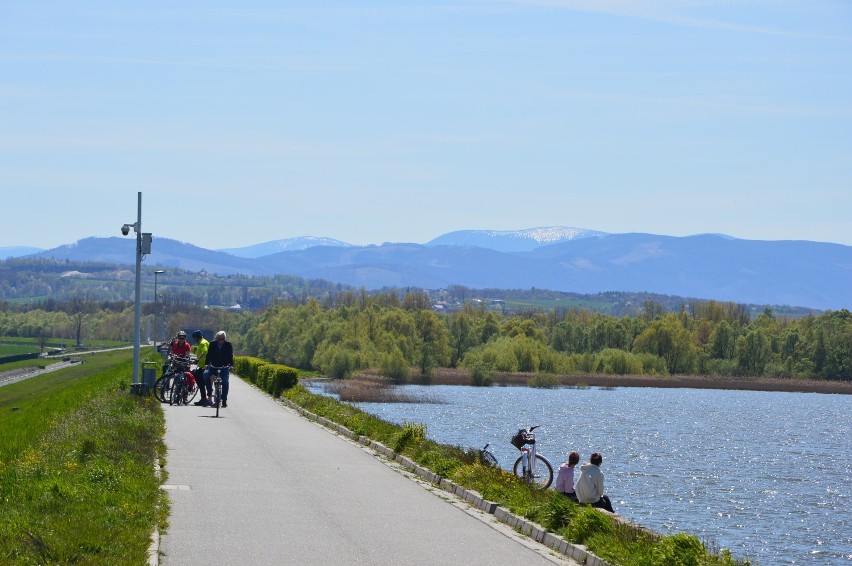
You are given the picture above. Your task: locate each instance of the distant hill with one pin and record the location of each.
(164, 252)
(286, 245)
(17, 251)
(513, 240)
(796, 273)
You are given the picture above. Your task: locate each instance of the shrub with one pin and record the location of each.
(411, 432)
(560, 511)
(587, 522)
(544, 381)
(439, 462)
(272, 378)
(480, 375)
(679, 550)
(395, 366)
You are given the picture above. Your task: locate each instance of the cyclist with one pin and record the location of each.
(180, 347)
(201, 347)
(220, 354)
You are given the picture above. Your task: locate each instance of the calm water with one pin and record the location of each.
(767, 475)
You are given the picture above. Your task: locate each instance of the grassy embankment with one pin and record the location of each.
(609, 539)
(77, 479)
(11, 346)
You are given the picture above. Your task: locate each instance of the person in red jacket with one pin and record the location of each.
(180, 347)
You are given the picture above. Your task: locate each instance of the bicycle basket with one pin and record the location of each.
(521, 438)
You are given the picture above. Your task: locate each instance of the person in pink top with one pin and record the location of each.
(565, 478)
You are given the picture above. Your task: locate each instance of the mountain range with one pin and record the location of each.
(707, 266)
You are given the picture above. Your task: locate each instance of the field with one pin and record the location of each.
(76, 466)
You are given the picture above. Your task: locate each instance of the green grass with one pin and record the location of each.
(15, 349)
(76, 467)
(609, 539)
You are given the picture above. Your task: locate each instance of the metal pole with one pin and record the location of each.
(137, 315)
(156, 273)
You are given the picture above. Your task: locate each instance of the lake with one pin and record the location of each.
(767, 475)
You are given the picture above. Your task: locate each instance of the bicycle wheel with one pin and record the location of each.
(488, 459)
(191, 392)
(543, 472)
(163, 387)
(218, 396)
(174, 396)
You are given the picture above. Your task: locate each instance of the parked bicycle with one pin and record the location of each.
(531, 466)
(184, 389)
(487, 458)
(175, 366)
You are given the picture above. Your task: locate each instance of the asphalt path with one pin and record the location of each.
(262, 485)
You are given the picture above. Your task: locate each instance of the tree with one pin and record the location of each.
(79, 310)
(432, 342)
(667, 338)
(753, 351)
(723, 341)
(462, 337)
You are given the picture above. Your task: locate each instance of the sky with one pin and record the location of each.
(373, 121)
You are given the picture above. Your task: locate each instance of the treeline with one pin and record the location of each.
(80, 322)
(393, 335)
(399, 334)
(35, 280)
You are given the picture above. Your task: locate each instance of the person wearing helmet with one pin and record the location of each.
(200, 349)
(180, 347)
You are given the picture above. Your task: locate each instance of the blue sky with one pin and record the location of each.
(398, 121)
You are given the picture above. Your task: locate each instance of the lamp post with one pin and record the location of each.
(143, 246)
(156, 299)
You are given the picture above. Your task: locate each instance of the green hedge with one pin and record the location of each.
(272, 378)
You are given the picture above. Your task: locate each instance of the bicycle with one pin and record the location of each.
(531, 466)
(184, 389)
(487, 458)
(217, 385)
(163, 385)
(176, 366)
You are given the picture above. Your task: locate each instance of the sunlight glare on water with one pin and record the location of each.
(764, 474)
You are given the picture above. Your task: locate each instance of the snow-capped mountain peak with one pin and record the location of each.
(514, 240)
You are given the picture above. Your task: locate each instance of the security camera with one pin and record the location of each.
(125, 230)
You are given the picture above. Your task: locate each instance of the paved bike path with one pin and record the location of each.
(262, 485)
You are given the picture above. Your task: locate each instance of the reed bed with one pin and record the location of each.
(457, 376)
(372, 391)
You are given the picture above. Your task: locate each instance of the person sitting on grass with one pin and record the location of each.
(565, 478)
(590, 486)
